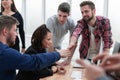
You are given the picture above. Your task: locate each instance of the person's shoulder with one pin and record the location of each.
(80, 21)
(30, 50)
(101, 18)
(70, 19)
(2, 46)
(54, 17)
(17, 15)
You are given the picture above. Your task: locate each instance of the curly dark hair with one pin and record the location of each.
(38, 36)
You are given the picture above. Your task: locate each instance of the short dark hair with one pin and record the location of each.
(7, 21)
(89, 3)
(38, 36)
(64, 7)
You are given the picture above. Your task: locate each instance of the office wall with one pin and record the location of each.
(18, 4)
(114, 15)
(34, 16)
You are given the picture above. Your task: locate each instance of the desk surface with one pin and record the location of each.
(67, 75)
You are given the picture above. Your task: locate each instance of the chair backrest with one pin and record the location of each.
(116, 47)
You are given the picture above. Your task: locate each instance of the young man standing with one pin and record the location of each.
(60, 24)
(94, 30)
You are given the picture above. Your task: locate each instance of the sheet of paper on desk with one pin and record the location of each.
(76, 75)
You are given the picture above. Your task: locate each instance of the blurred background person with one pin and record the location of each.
(60, 25)
(8, 8)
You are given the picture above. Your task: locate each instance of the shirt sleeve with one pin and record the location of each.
(11, 59)
(21, 29)
(77, 31)
(50, 25)
(72, 26)
(107, 34)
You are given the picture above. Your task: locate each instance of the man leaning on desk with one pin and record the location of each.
(94, 31)
(11, 59)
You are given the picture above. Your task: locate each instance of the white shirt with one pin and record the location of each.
(94, 48)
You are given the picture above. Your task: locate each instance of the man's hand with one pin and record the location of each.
(101, 56)
(54, 69)
(64, 52)
(111, 63)
(72, 47)
(92, 72)
(61, 70)
(66, 62)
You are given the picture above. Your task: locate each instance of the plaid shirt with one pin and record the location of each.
(102, 30)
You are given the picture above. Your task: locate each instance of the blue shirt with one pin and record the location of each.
(11, 59)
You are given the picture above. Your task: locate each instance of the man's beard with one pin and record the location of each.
(10, 42)
(89, 19)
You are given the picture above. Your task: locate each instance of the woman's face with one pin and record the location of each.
(6, 3)
(47, 41)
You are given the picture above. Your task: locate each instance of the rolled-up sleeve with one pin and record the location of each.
(107, 35)
(77, 30)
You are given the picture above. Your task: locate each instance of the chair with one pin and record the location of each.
(116, 47)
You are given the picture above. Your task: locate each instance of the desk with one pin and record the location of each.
(67, 75)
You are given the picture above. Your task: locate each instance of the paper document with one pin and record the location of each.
(76, 75)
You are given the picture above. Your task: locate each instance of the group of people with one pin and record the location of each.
(35, 59)
(39, 60)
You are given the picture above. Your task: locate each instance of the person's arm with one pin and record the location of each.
(93, 72)
(75, 35)
(12, 59)
(111, 63)
(107, 37)
(72, 46)
(21, 30)
(99, 57)
(73, 39)
(73, 42)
